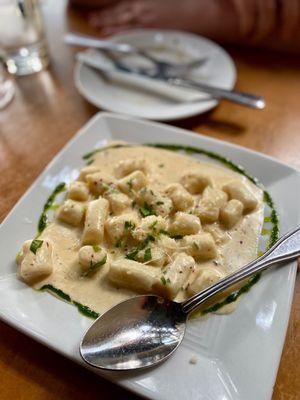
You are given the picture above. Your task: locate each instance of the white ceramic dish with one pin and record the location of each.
(237, 354)
(152, 100)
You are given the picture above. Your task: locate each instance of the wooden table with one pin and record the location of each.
(45, 114)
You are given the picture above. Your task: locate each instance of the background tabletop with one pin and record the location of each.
(47, 111)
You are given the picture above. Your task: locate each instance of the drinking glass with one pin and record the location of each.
(7, 87)
(22, 36)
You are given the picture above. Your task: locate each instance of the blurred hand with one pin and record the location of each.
(188, 15)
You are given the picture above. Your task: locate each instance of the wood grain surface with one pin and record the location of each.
(47, 111)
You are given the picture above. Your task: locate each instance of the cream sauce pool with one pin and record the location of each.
(236, 246)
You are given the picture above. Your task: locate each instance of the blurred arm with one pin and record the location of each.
(273, 24)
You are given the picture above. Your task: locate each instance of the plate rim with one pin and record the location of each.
(210, 103)
(133, 386)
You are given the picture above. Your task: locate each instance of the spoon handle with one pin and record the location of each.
(287, 248)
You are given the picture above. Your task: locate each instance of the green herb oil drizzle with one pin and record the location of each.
(81, 308)
(43, 220)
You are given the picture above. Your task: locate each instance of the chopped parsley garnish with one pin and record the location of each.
(164, 280)
(146, 210)
(35, 245)
(152, 226)
(133, 204)
(96, 248)
(132, 255)
(161, 165)
(148, 239)
(163, 232)
(147, 255)
(159, 203)
(94, 266)
(129, 225)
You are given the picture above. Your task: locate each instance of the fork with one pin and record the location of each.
(163, 68)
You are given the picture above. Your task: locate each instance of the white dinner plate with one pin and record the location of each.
(238, 354)
(152, 100)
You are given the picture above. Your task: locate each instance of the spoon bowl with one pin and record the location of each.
(137, 333)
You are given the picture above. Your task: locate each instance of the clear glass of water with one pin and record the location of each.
(7, 87)
(22, 36)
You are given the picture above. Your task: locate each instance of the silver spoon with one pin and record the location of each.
(145, 330)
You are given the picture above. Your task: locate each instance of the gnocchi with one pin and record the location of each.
(118, 202)
(201, 246)
(231, 213)
(91, 258)
(214, 195)
(195, 183)
(120, 226)
(150, 225)
(181, 198)
(37, 262)
(91, 169)
(184, 224)
(132, 182)
(96, 214)
(132, 275)
(168, 245)
(152, 255)
(71, 212)
(237, 190)
(207, 277)
(175, 276)
(99, 184)
(160, 204)
(159, 257)
(208, 208)
(78, 191)
(126, 167)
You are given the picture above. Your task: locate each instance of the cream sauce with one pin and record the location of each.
(236, 246)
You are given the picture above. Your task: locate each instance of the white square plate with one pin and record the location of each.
(238, 354)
